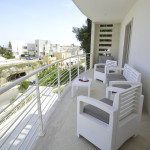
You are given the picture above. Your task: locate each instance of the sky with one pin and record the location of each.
(29, 20)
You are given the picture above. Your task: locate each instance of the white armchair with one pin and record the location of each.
(100, 69)
(124, 75)
(108, 124)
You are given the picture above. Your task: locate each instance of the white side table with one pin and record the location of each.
(78, 83)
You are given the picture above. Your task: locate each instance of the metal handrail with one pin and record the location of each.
(9, 86)
(60, 80)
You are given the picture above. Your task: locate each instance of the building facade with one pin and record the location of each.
(42, 48)
(18, 47)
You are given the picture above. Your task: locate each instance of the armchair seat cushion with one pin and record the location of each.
(103, 70)
(98, 113)
(107, 101)
(115, 77)
(100, 66)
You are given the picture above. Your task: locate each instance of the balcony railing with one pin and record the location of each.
(23, 119)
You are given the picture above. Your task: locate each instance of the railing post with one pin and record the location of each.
(39, 107)
(91, 60)
(58, 83)
(70, 71)
(78, 66)
(85, 63)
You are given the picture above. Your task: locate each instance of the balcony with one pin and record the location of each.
(44, 116)
(61, 126)
(20, 119)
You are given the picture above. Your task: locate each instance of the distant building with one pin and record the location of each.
(31, 49)
(63, 55)
(43, 48)
(19, 47)
(55, 47)
(72, 48)
(49, 59)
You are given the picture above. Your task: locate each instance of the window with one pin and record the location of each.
(105, 35)
(24, 47)
(106, 25)
(105, 39)
(105, 45)
(127, 40)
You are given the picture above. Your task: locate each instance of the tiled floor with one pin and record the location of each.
(61, 126)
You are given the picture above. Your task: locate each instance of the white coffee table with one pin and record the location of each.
(78, 83)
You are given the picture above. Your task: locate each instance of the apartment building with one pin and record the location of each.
(42, 48)
(31, 48)
(19, 47)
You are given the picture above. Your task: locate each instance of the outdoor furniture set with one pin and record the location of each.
(108, 123)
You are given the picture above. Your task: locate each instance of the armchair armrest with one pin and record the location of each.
(111, 83)
(83, 99)
(110, 89)
(112, 111)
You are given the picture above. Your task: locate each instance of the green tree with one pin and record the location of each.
(2, 50)
(23, 86)
(8, 52)
(52, 78)
(83, 34)
(9, 45)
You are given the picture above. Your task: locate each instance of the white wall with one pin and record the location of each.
(17, 47)
(42, 47)
(139, 56)
(115, 41)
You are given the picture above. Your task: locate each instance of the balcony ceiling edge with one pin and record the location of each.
(105, 11)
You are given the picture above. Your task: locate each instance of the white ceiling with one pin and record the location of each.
(105, 11)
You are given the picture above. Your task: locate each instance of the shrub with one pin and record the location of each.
(23, 86)
(12, 99)
(22, 55)
(9, 57)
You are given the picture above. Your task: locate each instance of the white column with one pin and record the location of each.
(85, 63)
(92, 44)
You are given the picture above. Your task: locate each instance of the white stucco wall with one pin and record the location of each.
(17, 47)
(139, 56)
(115, 42)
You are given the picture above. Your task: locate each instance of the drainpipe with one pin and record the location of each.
(92, 44)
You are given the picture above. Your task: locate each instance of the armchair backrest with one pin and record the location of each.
(128, 102)
(102, 59)
(131, 74)
(111, 63)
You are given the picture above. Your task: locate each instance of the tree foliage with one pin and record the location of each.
(83, 34)
(7, 52)
(23, 86)
(9, 45)
(52, 78)
(2, 50)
